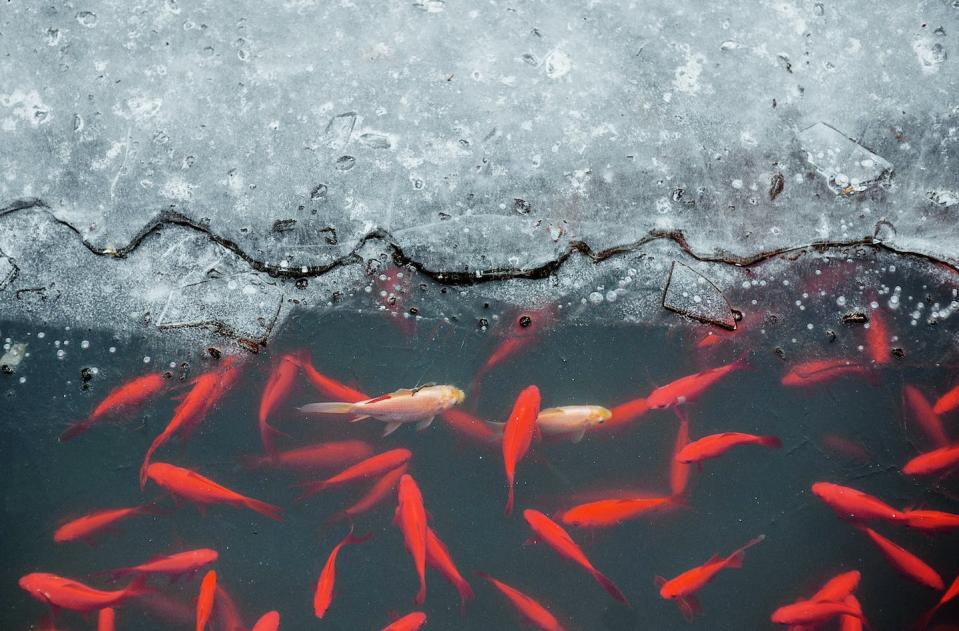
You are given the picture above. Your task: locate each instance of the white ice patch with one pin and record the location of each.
(26, 106)
(558, 64)
(138, 108)
(931, 55)
(686, 78)
(178, 189)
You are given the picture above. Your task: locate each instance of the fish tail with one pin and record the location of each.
(310, 489)
(268, 510)
(75, 430)
(354, 539)
(327, 408)
(923, 620)
(333, 519)
(251, 461)
(137, 587)
(610, 587)
(735, 560)
(509, 501)
(421, 595)
(114, 575)
(679, 500)
(144, 467)
(465, 591)
(496, 427)
(267, 434)
(146, 459)
(772, 442)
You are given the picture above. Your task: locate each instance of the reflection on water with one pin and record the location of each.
(834, 378)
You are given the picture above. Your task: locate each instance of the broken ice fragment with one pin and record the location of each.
(375, 141)
(8, 271)
(242, 306)
(847, 166)
(940, 197)
(339, 129)
(691, 294)
(12, 358)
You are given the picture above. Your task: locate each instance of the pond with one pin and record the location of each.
(840, 356)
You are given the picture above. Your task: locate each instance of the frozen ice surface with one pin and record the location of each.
(475, 142)
(690, 293)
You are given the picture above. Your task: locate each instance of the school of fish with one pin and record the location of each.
(387, 476)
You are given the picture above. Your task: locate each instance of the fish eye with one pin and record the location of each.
(601, 421)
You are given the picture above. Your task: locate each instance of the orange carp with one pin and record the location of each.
(517, 436)
(72, 595)
(553, 535)
(119, 400)
(410, 517)
(202, 491)
(683, 588)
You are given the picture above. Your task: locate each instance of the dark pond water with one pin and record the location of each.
(849, 430)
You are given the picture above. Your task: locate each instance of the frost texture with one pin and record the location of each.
(483, 140)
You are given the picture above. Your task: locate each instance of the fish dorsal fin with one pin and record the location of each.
(382, 397)
(552, 411)
(714, 559)
(403, 392)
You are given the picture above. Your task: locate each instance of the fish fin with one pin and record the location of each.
(660, 581)
(509, 501)
(610, 587)
(327, 408)
(390, 428)
(713, 559)
(361, 417)
(424, 423)
(693, 601)
(686, 608)
(578, 436)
